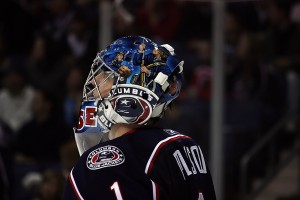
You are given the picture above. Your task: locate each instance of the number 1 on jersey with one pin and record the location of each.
(116, 188)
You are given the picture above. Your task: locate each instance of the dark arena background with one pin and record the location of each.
(240, 98)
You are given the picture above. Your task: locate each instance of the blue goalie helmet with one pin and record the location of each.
(130, 82)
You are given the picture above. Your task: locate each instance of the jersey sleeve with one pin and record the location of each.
(180, 170)
(70, 191)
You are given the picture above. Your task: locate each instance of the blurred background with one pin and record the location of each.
(47, 47)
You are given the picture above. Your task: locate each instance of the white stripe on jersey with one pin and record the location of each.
(75, 186)
(157, 147)
(154, 190)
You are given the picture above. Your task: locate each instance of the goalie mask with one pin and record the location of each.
(132, 81)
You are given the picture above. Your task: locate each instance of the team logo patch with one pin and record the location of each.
(133, 110)
(107, 156)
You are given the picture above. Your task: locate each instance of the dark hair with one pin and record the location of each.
(16, 65)
(47, 95)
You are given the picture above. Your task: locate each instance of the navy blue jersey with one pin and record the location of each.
(143, 164)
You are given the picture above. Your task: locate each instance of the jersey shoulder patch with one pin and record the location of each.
(105, 156)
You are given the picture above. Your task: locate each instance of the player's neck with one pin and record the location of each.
(118, 130)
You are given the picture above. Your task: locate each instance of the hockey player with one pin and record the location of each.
(123, 155)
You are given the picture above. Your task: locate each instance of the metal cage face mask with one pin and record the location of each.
(99, 81)
(129, 80)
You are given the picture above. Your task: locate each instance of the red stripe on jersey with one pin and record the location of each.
(155, 190)
(130, 131)
(73, 184)
(157, 149)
